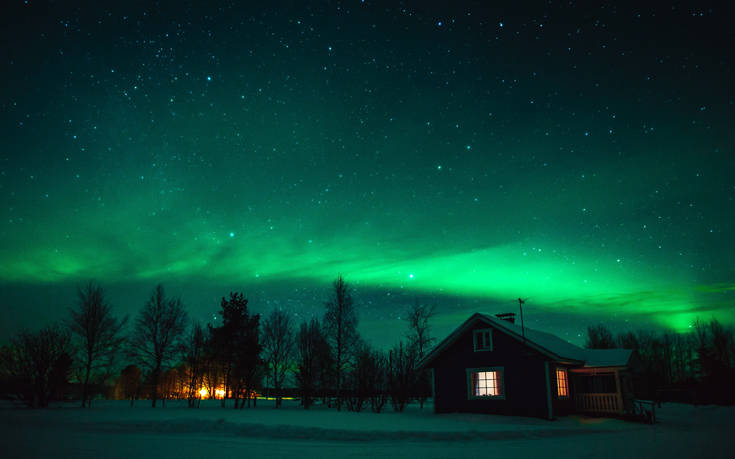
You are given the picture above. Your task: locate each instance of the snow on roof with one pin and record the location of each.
(607, 357)
(551, 345)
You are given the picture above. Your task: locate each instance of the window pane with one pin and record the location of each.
(562, 384)
(486, 383)
(482, 340)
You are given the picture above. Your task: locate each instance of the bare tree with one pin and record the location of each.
(358, 380)
(98, 332)
(378, 377)
(305, 362)
(195, 360)
(156, 340)
(599, 337)
(419, 336)
(401, 375)
(367, 381)
(341, 324)
(129, 383)
(418, 317)
(40, 362)
(313, 361)
(278, 344)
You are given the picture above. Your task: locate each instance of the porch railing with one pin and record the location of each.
(599, 403)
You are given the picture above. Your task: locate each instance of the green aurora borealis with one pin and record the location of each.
(581, 158)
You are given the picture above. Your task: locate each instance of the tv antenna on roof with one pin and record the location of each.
(523, 328)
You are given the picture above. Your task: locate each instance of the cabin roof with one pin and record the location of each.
(607, 357)
(551, 346)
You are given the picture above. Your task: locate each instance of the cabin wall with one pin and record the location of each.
(524, 377)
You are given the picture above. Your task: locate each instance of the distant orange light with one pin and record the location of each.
(203, 392)
(219, 393)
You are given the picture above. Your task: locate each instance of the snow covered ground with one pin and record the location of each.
(114, 430)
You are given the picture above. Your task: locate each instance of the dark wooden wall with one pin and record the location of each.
(524, 382)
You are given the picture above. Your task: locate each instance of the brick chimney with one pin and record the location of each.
(507, 316)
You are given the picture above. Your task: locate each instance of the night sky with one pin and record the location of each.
(579, 156)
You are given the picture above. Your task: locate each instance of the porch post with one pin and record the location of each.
(550, 411)
(618, 392)
(433, 388)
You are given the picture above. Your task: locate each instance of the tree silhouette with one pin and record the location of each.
(418, 316)
(195, 360)
(236, 343)
(340, 321)
(129, 383)
(401, 375)
(367, 380)
(40, 362)
(98, 332)
(156, 341)
(278, 344)
(313, 361)
(599, 337)
(419, 336)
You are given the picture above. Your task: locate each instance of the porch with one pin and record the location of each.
(610, 403)
(601, 391)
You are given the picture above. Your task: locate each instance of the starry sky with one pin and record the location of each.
(577, 155)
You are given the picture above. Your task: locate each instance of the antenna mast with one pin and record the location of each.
(523, 328)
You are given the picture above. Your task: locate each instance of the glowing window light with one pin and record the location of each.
(562, 383)
(486, 384)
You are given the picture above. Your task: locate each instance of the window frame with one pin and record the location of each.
(566, 383)
(477, 335)
(501, 378)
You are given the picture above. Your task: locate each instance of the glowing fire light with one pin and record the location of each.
(203, 392)
(219, 393)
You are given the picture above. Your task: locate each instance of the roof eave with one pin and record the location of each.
(428, 358)
(599, 367)
(459, 330)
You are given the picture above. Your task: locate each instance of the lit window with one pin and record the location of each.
(483, 340)
(485, 383)
(562, 383)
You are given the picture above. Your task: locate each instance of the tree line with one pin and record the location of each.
(164, 355)
(697, 367)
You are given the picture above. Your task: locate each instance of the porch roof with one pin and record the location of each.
(607, 357)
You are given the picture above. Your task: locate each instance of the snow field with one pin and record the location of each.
(113, 429)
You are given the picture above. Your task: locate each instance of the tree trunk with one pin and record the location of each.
(156, 372)
(227, 386)
(339, 385)
(86, 382)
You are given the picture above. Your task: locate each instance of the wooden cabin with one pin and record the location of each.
(492, 365)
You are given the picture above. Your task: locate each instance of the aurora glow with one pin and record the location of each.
(465, 154)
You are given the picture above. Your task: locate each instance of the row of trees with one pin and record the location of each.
(360, 376)
(698, 366)
(168, 357)
(326, 359)
(87, 347)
